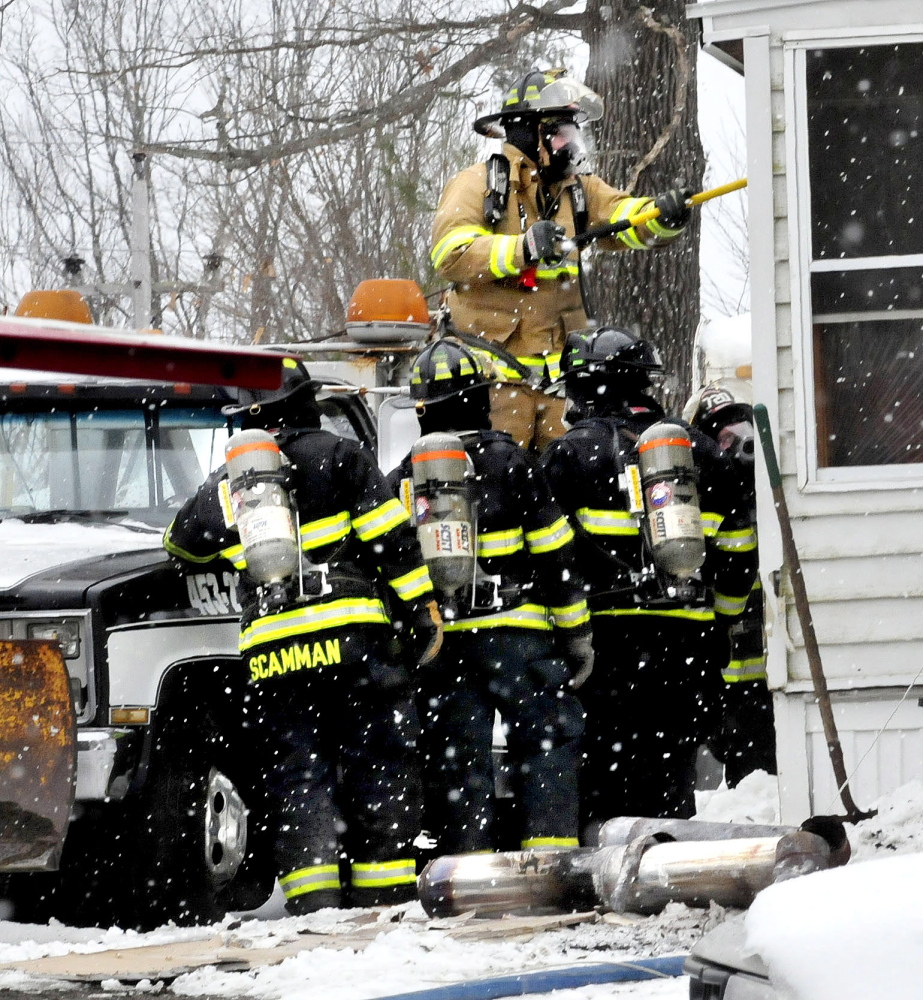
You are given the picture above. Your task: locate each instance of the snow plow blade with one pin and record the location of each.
(38, 755)
(638, 877)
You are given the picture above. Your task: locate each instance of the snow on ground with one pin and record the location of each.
(861, 903)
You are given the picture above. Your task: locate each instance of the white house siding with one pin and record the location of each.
(861, 545)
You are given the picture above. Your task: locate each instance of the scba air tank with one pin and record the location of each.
(671, 499)
(443, 510)
(261, 507)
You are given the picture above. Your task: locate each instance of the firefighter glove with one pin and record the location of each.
(674, 212)
(542, 242)
(575, 645)
(425, 635)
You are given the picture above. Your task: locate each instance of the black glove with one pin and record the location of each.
(423, 639)
(674, 212)
(543, 242)
(575, 645)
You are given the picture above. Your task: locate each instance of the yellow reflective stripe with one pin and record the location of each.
(389, 515)
(549, 842)
(608, 522)
(502, 252)
(570, 616)
(553, 361)
(499, 543)
(736, 541)
(376, 875)
(176, 550)
(711, 522)
(235, 554)
(731, 606)
(532, 616)
(548, 539)
(550, 273)
(659, 229)
(745, 670)
(412, 584)
(312, 618)
(624, 210)
(310, 879)
(454, 239)
(692, 614)
(325, 530)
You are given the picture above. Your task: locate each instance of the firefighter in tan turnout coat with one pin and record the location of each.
(498, 237)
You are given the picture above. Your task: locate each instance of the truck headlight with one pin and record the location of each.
(66, 632)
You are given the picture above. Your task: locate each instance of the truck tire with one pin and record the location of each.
(191, 843)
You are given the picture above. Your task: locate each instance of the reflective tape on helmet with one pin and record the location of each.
(324, 530)
(455, 239)
(736, 541)
(382, 519)
(333, 614)
(570, 616)
(378, 875)
(502, 254)
(625, 209)
(500, 543)
(411, 585)
(311, 879)
(608, 522)
(549, 842)
(752, 669)
(555, 536)
(532, 616)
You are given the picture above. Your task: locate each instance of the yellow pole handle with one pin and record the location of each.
(696, 199)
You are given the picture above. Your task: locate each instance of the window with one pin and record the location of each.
(865, 151)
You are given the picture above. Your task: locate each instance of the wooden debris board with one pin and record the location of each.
(231, 952)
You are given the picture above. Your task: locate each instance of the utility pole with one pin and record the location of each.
(140, 243)
(142, 288)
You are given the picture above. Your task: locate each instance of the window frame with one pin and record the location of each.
(812, 477)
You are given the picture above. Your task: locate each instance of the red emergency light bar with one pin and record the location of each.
(56, 346)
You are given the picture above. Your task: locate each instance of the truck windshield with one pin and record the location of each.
(131, 464)
(107, 463)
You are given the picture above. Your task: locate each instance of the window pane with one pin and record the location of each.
(865, 139)
(869, 392)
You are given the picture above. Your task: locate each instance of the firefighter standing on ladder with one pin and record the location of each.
(497, 237)
(330, 712)
(660, 642)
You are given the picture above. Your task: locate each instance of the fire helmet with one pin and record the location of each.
(542, 94)
(712, 407)
(446, 369)
(293, 404)
(609, 351)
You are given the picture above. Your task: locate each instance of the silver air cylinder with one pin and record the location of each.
(261, 507)
(671, 499)
(443, 511)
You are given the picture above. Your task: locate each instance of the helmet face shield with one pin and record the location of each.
(564, 147)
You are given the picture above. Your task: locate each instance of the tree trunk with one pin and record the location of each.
(642, 63)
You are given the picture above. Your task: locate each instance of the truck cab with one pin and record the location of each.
(92, 470)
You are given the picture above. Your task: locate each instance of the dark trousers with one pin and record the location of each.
(336, 747)
(652, 698)
(511, 671)
(749, 737)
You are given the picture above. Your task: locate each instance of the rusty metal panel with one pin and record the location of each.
(38, 754)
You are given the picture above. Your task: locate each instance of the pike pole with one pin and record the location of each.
(614, 228)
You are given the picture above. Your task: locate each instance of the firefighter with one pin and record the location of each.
(329, 710)
(513, 284)
(518, 640)
(660, 637)
(723, 410)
